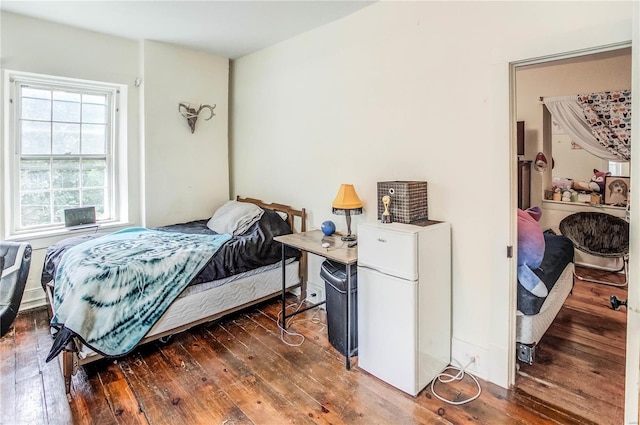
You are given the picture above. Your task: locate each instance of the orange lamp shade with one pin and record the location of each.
(347, 198)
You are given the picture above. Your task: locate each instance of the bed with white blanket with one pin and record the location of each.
(108, 293)
(535, 314)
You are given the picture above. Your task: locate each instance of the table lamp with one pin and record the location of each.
(347, 203)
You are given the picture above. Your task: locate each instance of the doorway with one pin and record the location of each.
(580, 359)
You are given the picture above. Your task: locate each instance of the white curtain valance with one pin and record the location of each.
(598, 122)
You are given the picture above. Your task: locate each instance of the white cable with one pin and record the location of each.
(457, 377)
(283, 331)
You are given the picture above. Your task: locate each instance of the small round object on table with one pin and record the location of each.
(328, 228)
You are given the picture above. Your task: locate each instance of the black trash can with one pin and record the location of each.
(335, 284)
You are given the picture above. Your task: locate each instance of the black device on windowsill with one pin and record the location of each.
(80, 217)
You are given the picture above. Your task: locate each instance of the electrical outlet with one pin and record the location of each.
(315, 294)
(472, 362)
(462, 352)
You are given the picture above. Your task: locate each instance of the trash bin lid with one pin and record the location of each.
(335, 274)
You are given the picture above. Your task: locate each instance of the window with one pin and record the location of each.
(63, 134)
(619, 168)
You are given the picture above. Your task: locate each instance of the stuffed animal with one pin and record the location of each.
(584, 186)
(597, 180)
(562, 183)
(530, 251)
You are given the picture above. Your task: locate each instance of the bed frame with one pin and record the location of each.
(531, 328)
(71, 360)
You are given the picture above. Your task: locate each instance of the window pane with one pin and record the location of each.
(94, 113)
(66, 199)
(66, 95)
(63, 199)
(94, 197)
(36, 138)
(94, 172)
(35, 199)
(66, 173)
(36, 109)
(94, 139)
(35, 208)
(37, 93)
(58, 215)
(66, 111)
(34, 216)
(34, 174)
(99, 99)
(66, 138)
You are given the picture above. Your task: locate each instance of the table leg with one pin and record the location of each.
(348, 321)
(284, 288)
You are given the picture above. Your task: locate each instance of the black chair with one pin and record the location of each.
(601, 235)
(15, 259)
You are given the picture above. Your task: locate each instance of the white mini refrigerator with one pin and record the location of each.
(404, 302)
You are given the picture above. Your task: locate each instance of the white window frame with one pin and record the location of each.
(116, 150)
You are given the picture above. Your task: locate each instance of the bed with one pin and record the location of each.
(535, 314)
(245, 270)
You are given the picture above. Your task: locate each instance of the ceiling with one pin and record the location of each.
(228, 28)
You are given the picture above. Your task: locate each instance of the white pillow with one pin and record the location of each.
(235, 217)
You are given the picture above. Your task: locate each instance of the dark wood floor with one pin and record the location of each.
(237, 371)
(580, 361)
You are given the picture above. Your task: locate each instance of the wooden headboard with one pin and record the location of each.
(292, 213)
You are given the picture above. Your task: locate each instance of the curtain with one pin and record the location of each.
(599, 122)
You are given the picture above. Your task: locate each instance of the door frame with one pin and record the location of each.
(632, 357)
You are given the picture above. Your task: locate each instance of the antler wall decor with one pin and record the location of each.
(191, 114)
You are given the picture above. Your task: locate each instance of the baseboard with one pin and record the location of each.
(32, 298)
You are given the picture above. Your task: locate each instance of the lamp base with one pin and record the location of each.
(349, 238)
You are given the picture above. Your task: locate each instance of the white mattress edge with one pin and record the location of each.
(531, 328)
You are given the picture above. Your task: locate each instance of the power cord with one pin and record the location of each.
(283, 331)
(446, 378)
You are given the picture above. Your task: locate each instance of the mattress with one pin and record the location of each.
(558, 254)
(531, 327)
(198, 305)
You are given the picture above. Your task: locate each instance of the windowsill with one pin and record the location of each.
(43, 239)
(563, 205)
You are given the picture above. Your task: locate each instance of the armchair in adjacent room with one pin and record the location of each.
(599, 234)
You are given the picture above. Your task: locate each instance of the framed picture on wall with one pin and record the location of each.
(616, 190)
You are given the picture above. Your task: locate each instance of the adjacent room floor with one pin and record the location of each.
(580, 361)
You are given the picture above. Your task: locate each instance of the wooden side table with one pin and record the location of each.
(337, 251)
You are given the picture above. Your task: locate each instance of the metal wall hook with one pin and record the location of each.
(191, 114)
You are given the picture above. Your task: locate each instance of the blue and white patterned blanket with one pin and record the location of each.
(110, 291)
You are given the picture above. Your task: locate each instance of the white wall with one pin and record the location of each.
(404, 91)
(186, 175)
(174, 176)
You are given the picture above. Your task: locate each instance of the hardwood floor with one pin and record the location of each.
(237, 371)
(580, 362)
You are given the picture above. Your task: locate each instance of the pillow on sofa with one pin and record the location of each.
(530, 250)
(235, 217)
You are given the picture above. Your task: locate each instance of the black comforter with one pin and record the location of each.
(558, 253)
(255, 248)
